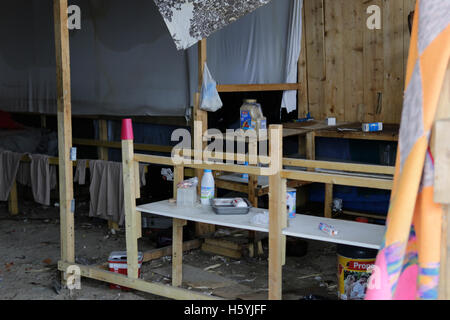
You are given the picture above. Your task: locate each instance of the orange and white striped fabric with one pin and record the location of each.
(408, 263)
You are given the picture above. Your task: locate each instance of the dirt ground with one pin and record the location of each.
(30, 250)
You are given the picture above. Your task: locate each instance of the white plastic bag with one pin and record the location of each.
(210, 99)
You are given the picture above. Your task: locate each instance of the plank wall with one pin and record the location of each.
(348, 71)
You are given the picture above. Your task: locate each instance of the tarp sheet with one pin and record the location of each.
(124, 61)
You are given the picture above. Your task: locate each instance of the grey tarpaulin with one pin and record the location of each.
(124, 61)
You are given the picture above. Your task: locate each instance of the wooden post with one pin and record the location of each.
(64, 131)
(201, 115)
(103, 135)
(441, 149)
(328, 200)
(13, 204)
(284, 218)
(177, 234)
(442, 195)
(275, 213)
(311, 145)
(129, 186)
(302, 92)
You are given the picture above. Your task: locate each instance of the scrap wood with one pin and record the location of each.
(167, 251)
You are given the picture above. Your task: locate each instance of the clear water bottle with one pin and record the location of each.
(207, 188)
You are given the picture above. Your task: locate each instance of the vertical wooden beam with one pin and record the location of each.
(275, 214)
(441, 150)
(334, 59)
(284, 219)
(373, 58)
(302, 93)
(311, 145)
(64, 130)
(103, 135)
(130, 207)
(314, 21)
(328, 200)
(354, 23)
(13, 204)
(201, 115)
(442, 195)
(394, 74)
(177, 234)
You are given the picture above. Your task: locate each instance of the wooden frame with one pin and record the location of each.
(277, 185)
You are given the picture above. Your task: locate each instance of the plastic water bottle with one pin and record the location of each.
(207, 190)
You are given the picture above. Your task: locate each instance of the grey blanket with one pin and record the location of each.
(106, 190)
(40, 176)
(9, 165)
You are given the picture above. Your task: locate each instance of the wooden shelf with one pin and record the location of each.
(302, 226)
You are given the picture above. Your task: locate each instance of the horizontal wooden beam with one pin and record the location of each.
(342, 166)
(258, 87)
(138, 284)
(338, 179)
(179, 121)
(117, 145)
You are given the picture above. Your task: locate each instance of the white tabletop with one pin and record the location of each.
(302, 226)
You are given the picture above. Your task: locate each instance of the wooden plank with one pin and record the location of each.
(441, 152)
(328, 203)
(64, 130)
(138, 284)
(117, 145)
(311, 145)
(13, 204)
(130, 208)
(200, 115)
(351, 167)
(353, 13)
(167, 251)
(137, 179)
(444, 278)
(302, 96)
(223, 243)
(442, 162)
(227, 252)
(373, 67)
(334, 60)
(103, 135)
(373, 183)
(315, 55)
(177, 234)
(393, 45)
(258, 87)
(177, 254)
(275, 215)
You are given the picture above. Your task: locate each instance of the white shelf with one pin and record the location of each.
(302, 226)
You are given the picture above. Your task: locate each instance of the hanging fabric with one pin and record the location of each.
(407, 266)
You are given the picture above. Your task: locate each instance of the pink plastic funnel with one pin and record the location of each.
(127, 129)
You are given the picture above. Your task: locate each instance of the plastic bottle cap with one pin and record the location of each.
(250, 100)
(207, 170)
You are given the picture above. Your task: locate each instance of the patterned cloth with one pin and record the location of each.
(191, 20)
(408, 263)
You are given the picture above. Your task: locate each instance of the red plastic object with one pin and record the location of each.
(6, 122)
(362, 220)
(127, 129)
(118, 264)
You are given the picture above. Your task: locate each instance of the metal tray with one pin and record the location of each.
(231, 210)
